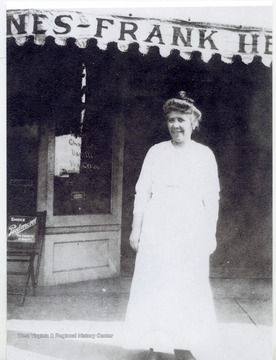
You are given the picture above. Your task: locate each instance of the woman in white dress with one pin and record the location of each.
(173, 231)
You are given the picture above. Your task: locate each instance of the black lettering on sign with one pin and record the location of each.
(268, 44)
(254, 43)
(60, 23)
(128, 31)
(20, 27)
(100, 26)
(155, 33)
(202, 39)
(178, 34)
(37, 23)
(242, 43)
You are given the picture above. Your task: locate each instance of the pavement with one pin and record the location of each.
(83, 321)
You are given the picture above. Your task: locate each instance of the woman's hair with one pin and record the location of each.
(184, 105)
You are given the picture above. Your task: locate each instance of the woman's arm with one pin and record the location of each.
(142, 197)
(211, 200)
(136, 230)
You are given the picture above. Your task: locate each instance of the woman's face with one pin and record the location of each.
(180, 126)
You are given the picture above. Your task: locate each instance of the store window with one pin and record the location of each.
(83, 164)
(22, 165)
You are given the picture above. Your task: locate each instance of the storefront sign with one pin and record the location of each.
(67, 155)
(166, 34)
(22, 229)
(21, 182)
(78, 195)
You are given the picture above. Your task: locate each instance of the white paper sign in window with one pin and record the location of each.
(67, 155)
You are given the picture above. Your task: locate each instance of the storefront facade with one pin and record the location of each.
(85, 98)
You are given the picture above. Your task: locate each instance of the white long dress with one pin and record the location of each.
(170, 305)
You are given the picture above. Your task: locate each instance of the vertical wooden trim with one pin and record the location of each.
(42, 169)
(117, 185)
(117, 167)
(51, 171)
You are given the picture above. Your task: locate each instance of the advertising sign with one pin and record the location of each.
(22, 229)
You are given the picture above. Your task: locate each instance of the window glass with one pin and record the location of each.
(22, 164)
(82, 181)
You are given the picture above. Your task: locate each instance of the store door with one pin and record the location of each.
(80, 186)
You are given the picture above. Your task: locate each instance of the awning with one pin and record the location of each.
(185, 36)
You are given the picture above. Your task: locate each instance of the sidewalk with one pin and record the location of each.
(97, 308)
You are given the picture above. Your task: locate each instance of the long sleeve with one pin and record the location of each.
(144, 184)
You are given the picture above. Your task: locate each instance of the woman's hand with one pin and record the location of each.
(136, 231)
(134, 240)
